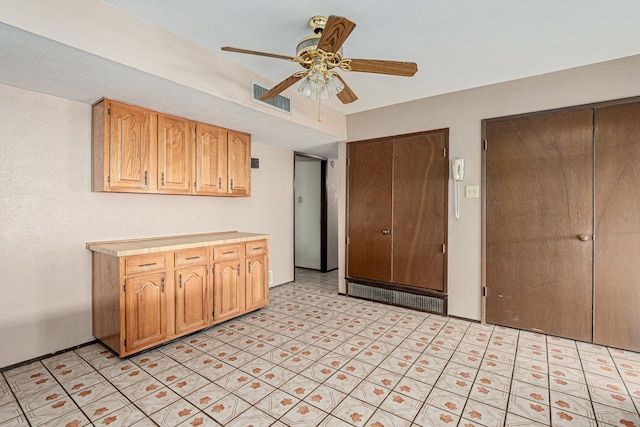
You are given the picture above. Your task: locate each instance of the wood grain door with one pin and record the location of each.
(617, 242)
(132, 149)
(370, 173)
(211, 160)
(257, 282)
(191, 299)
(175, 146)
(239, 164)
(420, 172)
(146, 311)
(539, 198)
(228, 288)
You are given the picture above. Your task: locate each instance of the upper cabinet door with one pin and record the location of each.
(211, 160)
(131, 149)
(239, 164)
(175, 147)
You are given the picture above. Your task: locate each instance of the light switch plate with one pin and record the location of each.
(472, 191)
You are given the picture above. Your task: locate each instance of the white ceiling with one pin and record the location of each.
(457, 44)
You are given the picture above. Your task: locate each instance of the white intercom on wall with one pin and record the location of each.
(458, 175)
(458, 169)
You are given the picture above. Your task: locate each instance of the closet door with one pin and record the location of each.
(419, 210)
(539, 219)
(369, 212)
(617, 242)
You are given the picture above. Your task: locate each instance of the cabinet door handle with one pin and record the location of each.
(227, 253)
(255, 248)
(193, 257)
(180, 281)
(147, 265)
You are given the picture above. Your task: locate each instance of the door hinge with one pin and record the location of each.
(484, 291)
(445, 152)
(195, 184)
(125, 343)
(162, 179)
(444, 248)
(249, 267)
(146, 178)
(109, 180)
(238, 269)
(124, 288)
(349, 162)
(485, 145)
(109, 111)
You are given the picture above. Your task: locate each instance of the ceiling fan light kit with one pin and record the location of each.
(319, 54)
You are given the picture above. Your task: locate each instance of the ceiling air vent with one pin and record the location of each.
(280, 102)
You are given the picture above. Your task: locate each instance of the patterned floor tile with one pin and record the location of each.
(354, 411)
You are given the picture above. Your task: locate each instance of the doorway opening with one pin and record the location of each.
(315, 213)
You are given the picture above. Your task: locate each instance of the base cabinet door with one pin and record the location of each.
(191, 299)
(228, 300)
(257, 282)
(146, 311)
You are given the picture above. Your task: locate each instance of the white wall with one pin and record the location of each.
(462, 113)
(48, 214)
(332, 213)
(307, 213)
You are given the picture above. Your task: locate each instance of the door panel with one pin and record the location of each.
(228, 294)
(146, 311)
(211, 160)
(419, 210)
(369, 200)
(539, 197)
(175, 144)
(191, 299)
(239, 164)
(617, 243)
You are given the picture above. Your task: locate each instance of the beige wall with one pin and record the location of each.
(462, 113)
(48, 214)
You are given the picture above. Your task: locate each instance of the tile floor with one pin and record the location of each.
(314, 358)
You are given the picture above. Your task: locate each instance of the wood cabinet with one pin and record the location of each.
(396, 214)
(175, 155)
(140, 301)
(257, 276)
(143, 151)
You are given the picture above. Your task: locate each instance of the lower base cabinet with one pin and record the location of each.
(141, 301)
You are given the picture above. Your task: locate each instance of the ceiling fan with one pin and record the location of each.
(321, 53)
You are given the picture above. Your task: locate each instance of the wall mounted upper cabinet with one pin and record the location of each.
(137, 150)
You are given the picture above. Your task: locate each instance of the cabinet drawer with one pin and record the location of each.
(144, 263)
(190, 257)
(223, 253)
(258, 247)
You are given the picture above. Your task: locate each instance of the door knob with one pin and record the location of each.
(386, 231)
(582, 237)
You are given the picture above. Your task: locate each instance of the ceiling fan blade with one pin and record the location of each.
(335, 32)
(346, 95)
(255, 52)
(396, 68)
(275, 91)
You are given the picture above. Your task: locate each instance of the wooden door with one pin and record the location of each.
(617, 231)
(175, 146)
(132, 151)
(239, 165)
(420, 175)
(369, 222)
(539, 198)
(257, 282)
(211, 160)
(145, 311)
(228, 299)
(191, 299)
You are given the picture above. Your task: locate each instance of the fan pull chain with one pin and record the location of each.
(319, 115)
